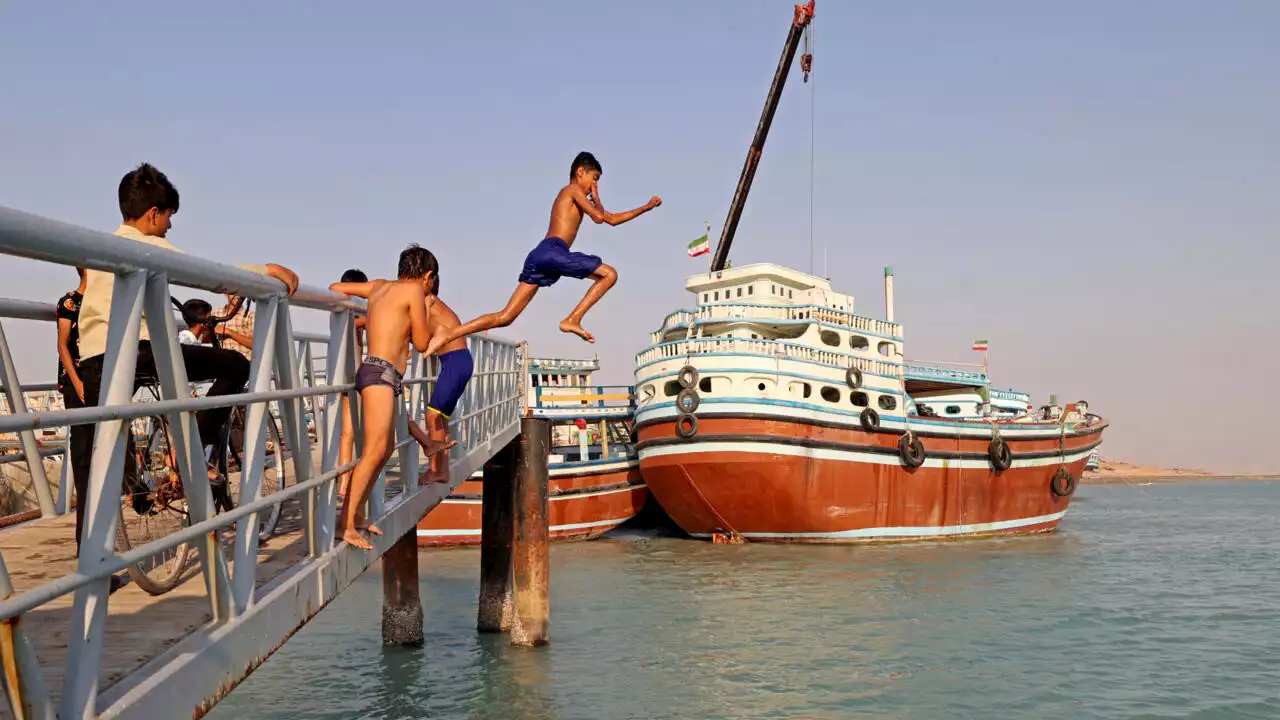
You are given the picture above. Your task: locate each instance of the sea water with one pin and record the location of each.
(1159, 601)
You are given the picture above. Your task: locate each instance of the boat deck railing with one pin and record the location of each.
(584, 401)
(777, 349)
(763, 312)
(947, 372)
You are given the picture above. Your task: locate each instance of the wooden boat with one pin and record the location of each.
(594, 480)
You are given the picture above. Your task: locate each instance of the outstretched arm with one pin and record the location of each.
(356, 289)
(600, 215)
(284, 275)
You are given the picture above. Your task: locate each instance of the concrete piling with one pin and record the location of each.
(497, 529)
(532, 542)
(401, 603)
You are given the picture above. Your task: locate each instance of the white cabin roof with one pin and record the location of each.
(775, 285)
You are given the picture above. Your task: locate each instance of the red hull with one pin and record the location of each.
(787, 481)
(581, 506)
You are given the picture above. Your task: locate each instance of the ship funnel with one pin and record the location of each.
(888, 294)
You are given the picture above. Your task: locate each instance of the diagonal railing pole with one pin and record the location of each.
(102, 507)
(18, 404)
(171, 370)
(254, 454)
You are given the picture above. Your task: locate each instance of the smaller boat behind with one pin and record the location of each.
(594, 480)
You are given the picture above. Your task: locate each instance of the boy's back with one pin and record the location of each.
(396, 316)
(441, 316)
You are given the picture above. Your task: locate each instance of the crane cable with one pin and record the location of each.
(806, 64)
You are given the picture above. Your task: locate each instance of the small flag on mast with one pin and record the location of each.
(980, 345)
(701, 246)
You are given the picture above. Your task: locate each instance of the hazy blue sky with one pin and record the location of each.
(1092, 186)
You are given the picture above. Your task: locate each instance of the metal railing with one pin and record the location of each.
(944, 372)
(249, 621)
(582, 401)
(771, 348)
(760, 311)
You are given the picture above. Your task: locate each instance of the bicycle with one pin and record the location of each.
(154, 503)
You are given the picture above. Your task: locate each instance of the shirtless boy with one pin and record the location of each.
(456, 367)
(397, 316)
(552, 258)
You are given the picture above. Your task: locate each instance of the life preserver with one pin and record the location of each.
(688, 376)
(870, 419)
(911, 450)
(1000, 455)
(687, 401)
(687, 426)
(853, 376)
(1063, 483)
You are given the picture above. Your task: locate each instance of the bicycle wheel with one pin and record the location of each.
(153, 506)
(275, 474)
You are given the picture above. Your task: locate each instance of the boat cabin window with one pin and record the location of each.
(751, 289)
(857, 342)
(885, 348)
(803, 389)
(953, 410)
(789, 295)
(773, 289)
(705, 297)
(739, 292)
(705, 385)
(858, 398)
(888, 402)
(672, 388)
(830, 394)
(534, 380)
(830, 337)
(716, 295)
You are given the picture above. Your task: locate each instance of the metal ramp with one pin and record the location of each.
(251, 615)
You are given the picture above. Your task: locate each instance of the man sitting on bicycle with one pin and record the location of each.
(148, 202)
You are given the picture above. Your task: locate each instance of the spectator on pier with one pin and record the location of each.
(148, 202)
(239, 327)
(72, 387)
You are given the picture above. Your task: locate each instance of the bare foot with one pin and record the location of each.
(571, 326)
(374, 530)
(434, 476)
(353, 538)
(431, 447)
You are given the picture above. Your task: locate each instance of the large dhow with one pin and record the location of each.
(593, 473)
(785, 416)
(774, 412)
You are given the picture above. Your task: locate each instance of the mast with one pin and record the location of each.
(804, 13)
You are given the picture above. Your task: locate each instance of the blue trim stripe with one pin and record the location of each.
(763, 372)
(780, 403)
(687, 356)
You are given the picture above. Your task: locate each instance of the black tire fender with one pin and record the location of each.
(853, 376)
(1000, 455)
(911, 450)
(870, 419)
(688, 377)
(1063, 483)
(687, 401)
(687, 426)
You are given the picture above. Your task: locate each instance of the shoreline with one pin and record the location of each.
(1117, 473)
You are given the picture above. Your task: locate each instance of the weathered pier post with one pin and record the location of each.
(497, 530)
(531, 549)
(401, 603)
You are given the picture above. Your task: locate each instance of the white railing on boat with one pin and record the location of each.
(770, 348)
(944, 372)
(755, 311)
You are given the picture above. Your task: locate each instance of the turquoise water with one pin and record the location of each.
(1149, 602)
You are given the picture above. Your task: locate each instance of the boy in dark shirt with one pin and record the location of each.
(72, 389)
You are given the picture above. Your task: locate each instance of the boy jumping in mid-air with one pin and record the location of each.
(552, 259)
(456, 367)
(397, 316)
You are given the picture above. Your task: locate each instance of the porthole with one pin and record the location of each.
(858, 398)
(857, 342)
(831, 394)
(830, 337)
(671, 389)
(888, 402)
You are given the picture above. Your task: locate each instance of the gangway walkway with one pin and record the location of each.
(71, 649)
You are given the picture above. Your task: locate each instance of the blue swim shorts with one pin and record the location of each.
(552, 259)
(455, 371)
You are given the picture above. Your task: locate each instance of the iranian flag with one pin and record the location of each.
(701, 246)
(980, 345)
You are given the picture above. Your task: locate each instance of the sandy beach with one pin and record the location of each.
(1115, 471)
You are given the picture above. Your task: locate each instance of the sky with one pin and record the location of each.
(1090, 186)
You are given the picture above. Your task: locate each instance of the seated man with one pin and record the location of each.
(148, 202)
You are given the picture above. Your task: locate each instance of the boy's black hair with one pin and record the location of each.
(415, 262)
(144, 188)
(586, 161)
(354, 275)
(195, 309)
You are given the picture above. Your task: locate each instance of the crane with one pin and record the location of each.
(799, 23)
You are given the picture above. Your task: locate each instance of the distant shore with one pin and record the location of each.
(1117, 472)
